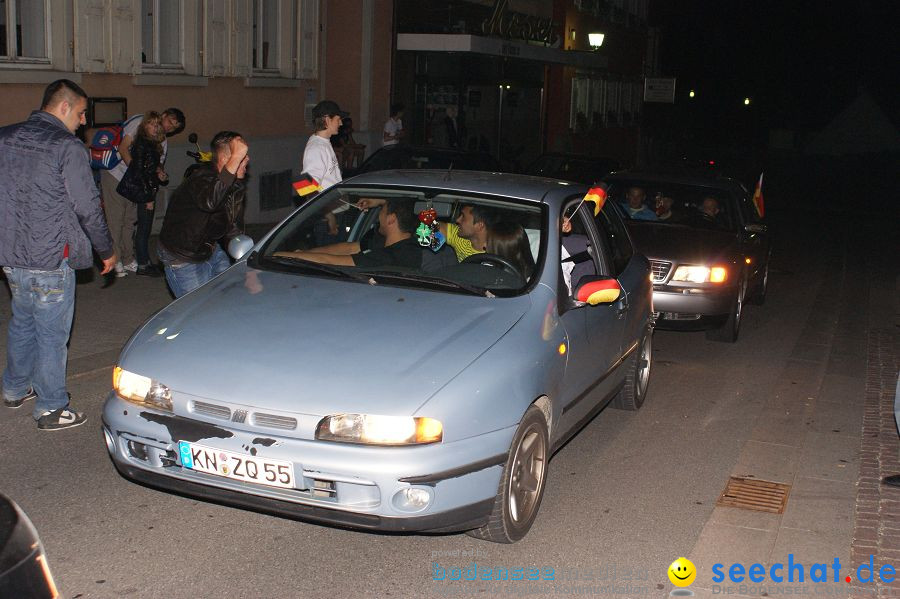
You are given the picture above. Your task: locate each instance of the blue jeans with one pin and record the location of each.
(43, 303)
(183, 277)
(142, 235)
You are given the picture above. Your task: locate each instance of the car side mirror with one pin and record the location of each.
(598, 290)
(755, 228)
(239, 246)
(23, 563)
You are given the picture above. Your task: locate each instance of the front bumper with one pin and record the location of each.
(688, 307)
(354, 486)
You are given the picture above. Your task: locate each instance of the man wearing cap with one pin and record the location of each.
(319, 159)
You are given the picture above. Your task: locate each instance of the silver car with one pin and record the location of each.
(389, 395)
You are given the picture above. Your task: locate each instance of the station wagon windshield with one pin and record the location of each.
(675, 204)
(434, 239)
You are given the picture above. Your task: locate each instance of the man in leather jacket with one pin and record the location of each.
(206, 210)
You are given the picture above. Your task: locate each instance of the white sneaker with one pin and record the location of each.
(131, 266)
(120, 270)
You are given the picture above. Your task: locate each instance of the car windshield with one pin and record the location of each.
(424, 238)
(674, 204)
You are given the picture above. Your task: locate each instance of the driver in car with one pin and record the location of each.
(396, 223)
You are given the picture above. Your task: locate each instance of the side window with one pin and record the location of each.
(610, 226)
(578, 258)
(748, 210)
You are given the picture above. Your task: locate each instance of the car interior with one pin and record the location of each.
(310, 230)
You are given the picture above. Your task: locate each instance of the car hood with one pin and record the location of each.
(316, 345)
(682, 244)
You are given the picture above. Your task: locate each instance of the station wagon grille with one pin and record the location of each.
(659, 270)
(212, 410)
(273, 421)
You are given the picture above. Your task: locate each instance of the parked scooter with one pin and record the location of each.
(200, 157)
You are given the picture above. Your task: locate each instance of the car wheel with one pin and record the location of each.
(728, 332)
(522, 484)
(759, 296)
(637, 376)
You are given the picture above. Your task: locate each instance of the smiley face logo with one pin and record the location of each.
(682, 572)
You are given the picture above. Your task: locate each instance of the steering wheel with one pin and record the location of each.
(494, 260)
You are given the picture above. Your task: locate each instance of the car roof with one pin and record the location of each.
(679, 178)
(526, 187)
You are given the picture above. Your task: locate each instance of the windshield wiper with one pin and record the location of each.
(432, 281)
(327, 268)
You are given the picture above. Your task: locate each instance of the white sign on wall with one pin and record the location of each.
(659, 89)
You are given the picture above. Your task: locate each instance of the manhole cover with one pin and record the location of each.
(753, 494)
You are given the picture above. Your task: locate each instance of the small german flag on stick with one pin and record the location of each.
(596, 195)
(306, 185)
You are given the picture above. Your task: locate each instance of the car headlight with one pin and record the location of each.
(700, 274)
(379, 430)
(141, 390)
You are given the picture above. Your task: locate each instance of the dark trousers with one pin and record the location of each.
(142, 235)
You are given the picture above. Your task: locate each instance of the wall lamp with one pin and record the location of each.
(596, 40)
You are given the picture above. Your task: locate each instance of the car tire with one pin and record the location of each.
(759, 295)
(637, 376)
(522, 484)
(728, 332)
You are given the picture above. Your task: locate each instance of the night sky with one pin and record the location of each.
(801, 62)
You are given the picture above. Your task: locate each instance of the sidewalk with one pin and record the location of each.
(828, 431)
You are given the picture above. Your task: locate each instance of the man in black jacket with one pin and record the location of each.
(206, 209)
(51, 216)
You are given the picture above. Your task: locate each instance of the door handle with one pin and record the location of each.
(623, 306)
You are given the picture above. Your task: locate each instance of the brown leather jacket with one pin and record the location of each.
(207, 207)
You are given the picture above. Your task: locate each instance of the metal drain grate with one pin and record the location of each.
(753, 494)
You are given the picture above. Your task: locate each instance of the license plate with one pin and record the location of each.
(263, 471)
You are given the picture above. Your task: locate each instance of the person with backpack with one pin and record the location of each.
(122, 214)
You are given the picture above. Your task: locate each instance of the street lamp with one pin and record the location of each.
(596, 40)
(746, 101)
(691, 94)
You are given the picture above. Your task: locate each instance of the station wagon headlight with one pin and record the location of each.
(379, 430)
(700, 274)
(141, 390)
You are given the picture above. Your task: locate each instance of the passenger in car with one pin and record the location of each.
(634, 205)
(576, 255)
(711, 213)
(396, 222)
(510, 241)
(467, 236)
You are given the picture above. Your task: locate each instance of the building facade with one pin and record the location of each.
(255, 66)
(523, 76)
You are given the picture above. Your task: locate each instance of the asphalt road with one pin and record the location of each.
(632, 491)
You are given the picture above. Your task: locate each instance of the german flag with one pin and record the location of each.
(758, 197)
(597, 195)
(599, 292)
(306, 185)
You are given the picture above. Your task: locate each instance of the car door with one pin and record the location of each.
(754, 237)
(594, 332)
(632, 272)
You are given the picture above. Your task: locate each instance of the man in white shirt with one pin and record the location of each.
(393, 128)
(319, 159)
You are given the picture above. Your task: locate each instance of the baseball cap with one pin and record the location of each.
(328, 108)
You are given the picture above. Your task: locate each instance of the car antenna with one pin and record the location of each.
(449, 170)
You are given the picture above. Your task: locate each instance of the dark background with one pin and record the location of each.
(801, 63)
